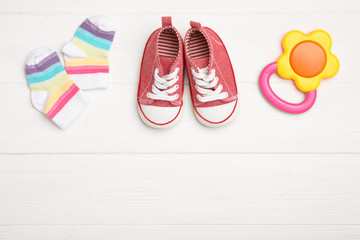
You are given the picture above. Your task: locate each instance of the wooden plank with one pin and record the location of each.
(161, 189)
(180, 232)
(110, 177)
(250, 47)
(187, 6)
(111, 124)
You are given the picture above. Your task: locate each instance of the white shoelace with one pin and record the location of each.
(162, 86)
(204, 81)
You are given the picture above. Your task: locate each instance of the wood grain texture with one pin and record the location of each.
(182, 189)
(180, 232)
(251, 46)
(268, 175)
(111, 124)
(186, 6)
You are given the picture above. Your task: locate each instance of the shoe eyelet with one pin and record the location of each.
(177, 77)
(147, 95)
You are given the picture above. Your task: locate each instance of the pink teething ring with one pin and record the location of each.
(276, 101)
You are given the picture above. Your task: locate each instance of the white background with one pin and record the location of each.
(268, 175)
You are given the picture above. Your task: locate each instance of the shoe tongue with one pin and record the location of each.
(167, 64)
(159, 67)
(201, 62)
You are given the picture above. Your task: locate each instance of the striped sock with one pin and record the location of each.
(86, 55)
(52, 91)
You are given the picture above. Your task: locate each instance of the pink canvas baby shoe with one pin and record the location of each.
(161, 83)
(212, 81)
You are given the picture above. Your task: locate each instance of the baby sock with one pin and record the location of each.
(86, 55)
(52, 91)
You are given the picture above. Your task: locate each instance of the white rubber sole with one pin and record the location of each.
(215, 125)
(150, 124)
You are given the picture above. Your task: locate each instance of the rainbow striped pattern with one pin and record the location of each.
(49, 75)
(95, 43)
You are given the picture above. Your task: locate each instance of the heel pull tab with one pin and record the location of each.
(194, 24)
(166, 21)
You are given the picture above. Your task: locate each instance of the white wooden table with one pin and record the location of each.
(268, 175)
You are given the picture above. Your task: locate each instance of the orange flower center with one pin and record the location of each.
(308, 59)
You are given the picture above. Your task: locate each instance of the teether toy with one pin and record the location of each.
(306, 60)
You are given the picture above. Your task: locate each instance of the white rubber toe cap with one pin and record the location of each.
(217, 115)
(158, 116)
